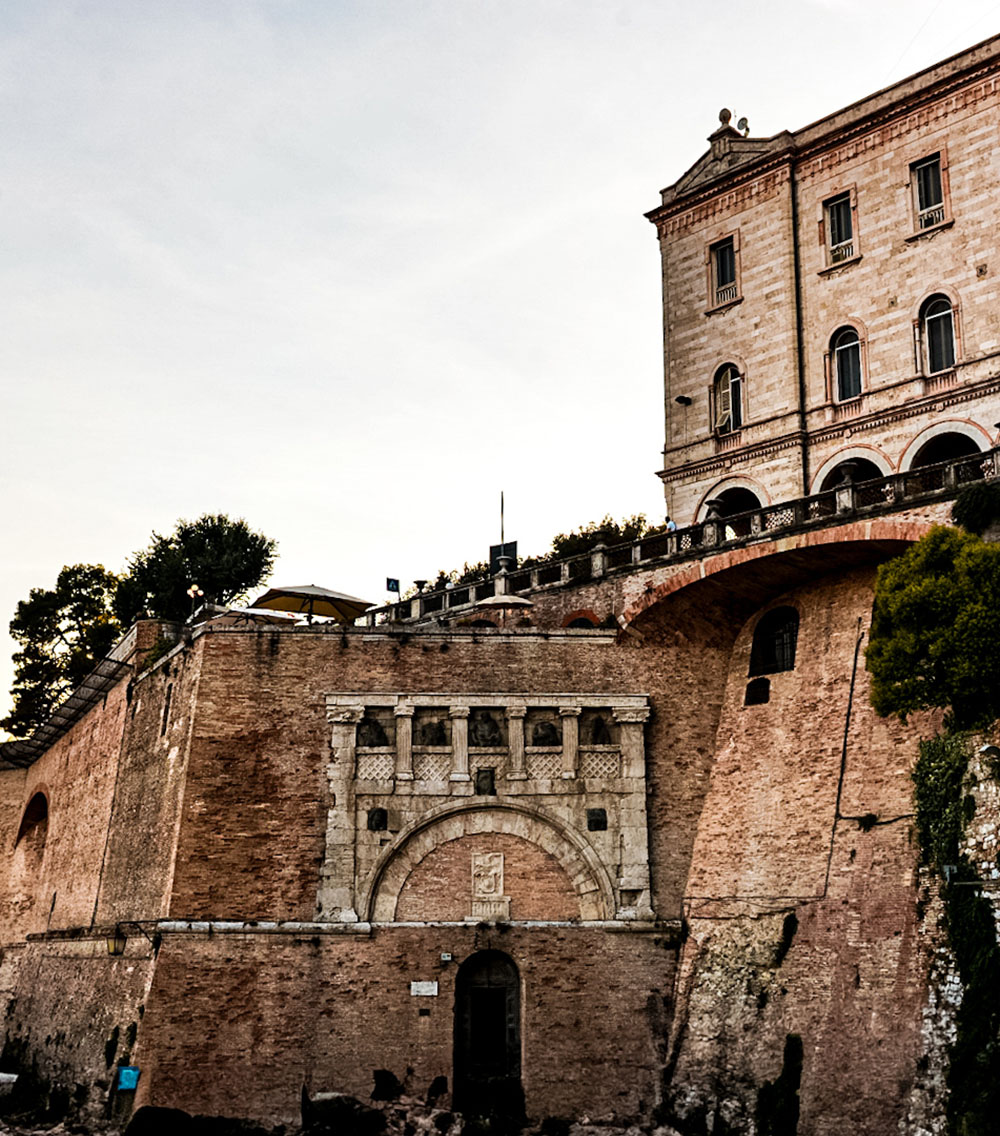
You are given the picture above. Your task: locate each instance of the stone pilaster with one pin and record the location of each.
(515, 742)
(459, 743)
(570, 740)
(404, 743)
(335, 899)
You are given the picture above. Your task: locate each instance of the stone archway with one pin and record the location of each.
(588, 877)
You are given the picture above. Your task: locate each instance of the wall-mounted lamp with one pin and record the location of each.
(683, 400)
(117, 939)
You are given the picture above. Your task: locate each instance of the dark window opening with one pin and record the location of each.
(937, 323)
(378, 820)
(486, 781)
(600, 735)
(928, 189)
(846, 349)
(597, 820)
(728, 388)
(546, 734)
(839, 228)
(758, 692)
(774, 642)
(582, 623)
(371, 732)
(723, 261)
(35, 819)
(166, 709)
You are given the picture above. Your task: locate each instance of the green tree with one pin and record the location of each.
(225, 558)
(936, 629)
(63, 633)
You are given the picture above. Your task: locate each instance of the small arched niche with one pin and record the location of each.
(34, 828)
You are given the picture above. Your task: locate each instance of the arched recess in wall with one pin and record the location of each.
(572, 852)
(34, 827)
(945, 441)
(869, 463)
(583, 618)
(738, 494)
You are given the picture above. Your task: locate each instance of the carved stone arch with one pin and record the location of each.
(964, 426)
(748, 483)
(852, 453)
(571, 851)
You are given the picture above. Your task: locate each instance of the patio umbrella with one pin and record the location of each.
(310, 600)
(503, 604)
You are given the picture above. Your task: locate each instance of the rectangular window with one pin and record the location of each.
(928, 191)
(839, 228)
(722, 262)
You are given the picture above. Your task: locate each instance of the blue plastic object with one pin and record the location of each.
(128, 1078)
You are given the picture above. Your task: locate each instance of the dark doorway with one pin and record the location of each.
(861, 470)
(737, 500)
(944, 448)
(488, 1037)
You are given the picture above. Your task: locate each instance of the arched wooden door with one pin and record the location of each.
(488, 1037)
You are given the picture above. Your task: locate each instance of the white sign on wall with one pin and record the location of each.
(423, 989)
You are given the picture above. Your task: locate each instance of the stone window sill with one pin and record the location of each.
(723, 307)
(846, 263)
(931, 230)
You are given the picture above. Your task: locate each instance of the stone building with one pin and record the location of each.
(831, 295)
(639, 854)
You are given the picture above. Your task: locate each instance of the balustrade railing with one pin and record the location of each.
(882, 495)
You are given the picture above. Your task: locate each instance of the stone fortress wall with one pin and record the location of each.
(657, 865)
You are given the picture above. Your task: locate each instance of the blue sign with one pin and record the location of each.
(128, 1078)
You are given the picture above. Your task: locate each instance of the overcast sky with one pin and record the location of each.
(348, 269)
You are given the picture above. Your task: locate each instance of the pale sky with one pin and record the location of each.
(348, 269)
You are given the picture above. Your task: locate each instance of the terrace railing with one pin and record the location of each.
(869, 498)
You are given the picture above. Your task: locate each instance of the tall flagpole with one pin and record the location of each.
(501, 523)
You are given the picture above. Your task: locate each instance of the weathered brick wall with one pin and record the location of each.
(440, 886)
(252, 839)
(769, 846)
(279, 1012)
(76, 1016)
(151, 784)
(77, 776)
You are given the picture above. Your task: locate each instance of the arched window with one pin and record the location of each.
(727, 399)
(937, 331)
(845, 348)
(774, 642)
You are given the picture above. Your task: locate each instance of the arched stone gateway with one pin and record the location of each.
(488, 1037)
(566, 849)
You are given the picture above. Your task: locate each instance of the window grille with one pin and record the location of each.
(774, 642)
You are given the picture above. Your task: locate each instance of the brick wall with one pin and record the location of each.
(277, 1013)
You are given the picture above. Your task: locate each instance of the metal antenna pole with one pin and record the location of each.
(501, 522)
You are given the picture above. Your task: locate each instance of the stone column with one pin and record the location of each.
(404, 743)
(630, 722)
(570, 740)
(515, 743)
(459, 743)
(335, 899)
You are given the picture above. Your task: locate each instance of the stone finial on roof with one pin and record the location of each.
(725, 116)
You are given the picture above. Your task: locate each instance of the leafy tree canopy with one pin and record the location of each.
(63, 633)
(225, 558)
(936, 629)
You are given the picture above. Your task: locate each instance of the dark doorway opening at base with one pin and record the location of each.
(488, 1038)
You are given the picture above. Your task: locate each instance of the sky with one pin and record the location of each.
(351, 269)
